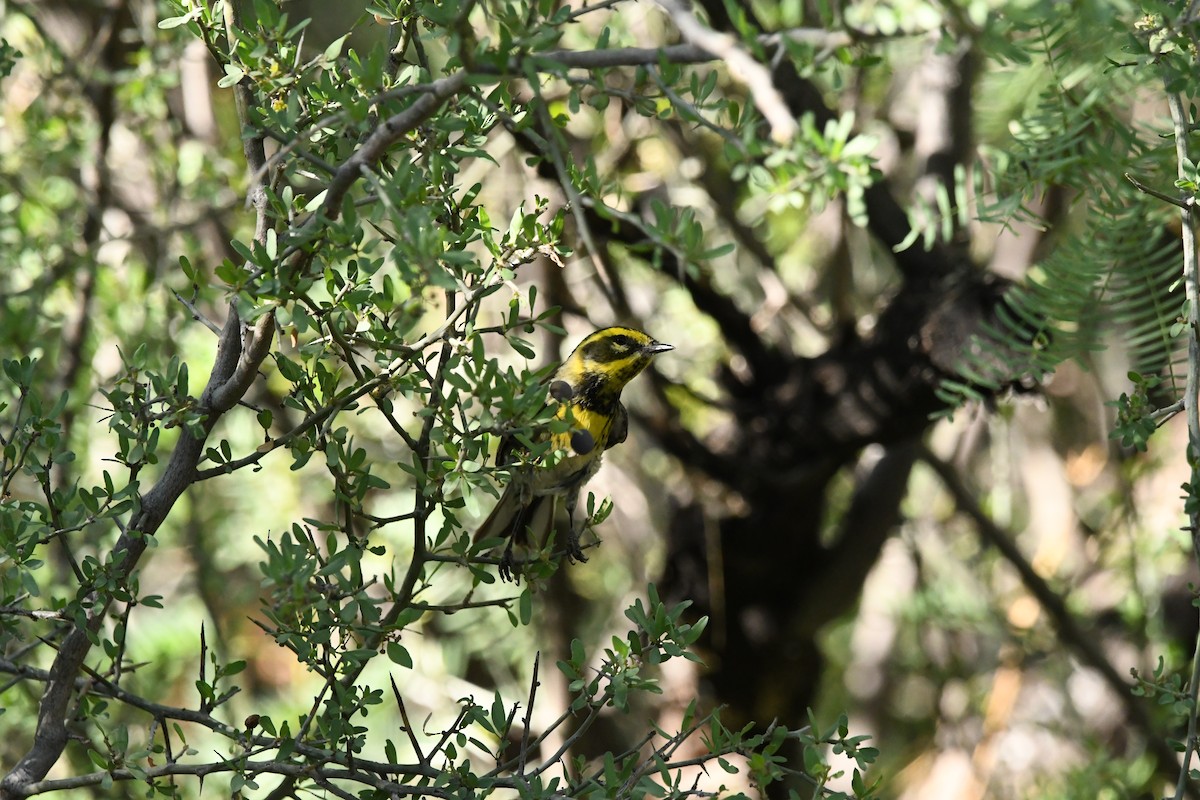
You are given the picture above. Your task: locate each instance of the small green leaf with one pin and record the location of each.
(175, 22)
(398, 654)
(525, 606)
(335, 48)
(233, 76)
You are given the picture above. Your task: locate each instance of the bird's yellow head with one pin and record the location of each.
(603, 363)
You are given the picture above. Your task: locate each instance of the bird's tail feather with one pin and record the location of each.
(499, 523)
(524, 524)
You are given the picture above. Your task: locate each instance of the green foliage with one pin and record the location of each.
(422, 163)
(387, 273)
(1135, 422)
(821, 165)
(1112, 271)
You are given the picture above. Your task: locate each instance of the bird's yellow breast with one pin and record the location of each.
(588, 388)
(572, 466)
(597, 424)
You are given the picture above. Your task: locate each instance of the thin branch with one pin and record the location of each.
(267, 767)
(1085, 643)
(384, 136)
(1183, 203)
(408, 728)
(573, 738)
(661, 758)
(454, 608)
(690, 112)
(686, 53)
(1163, 415)
(292, 145)
(333, 789)
(1191, 283)
(575, 203)
(533, 686)
(196, 315)
(17, 611)
(742, 66)
(588, 9)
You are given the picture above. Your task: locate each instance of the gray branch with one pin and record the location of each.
(387, 134)
(239, 355)
(742, 65)
(233, 371)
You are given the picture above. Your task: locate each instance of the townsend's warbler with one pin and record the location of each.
(587, 388)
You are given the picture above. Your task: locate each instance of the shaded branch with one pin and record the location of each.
(736, 328)
(234, 369)
(886, 218)
(384, 136)
(1180, 118)
(1084, 642)
(741, 65)
(232, 373)
(873, 515)
(1183, 203)
(247, 767)
(689, 53)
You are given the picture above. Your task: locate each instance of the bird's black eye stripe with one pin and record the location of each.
(624, 342)
(611, 348)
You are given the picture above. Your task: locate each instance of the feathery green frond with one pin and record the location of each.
(1112, 277)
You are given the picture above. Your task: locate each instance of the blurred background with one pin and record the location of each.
(980, 578)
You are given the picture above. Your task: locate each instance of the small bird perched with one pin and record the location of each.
(587, 387)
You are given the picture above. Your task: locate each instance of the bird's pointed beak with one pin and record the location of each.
(657, 347)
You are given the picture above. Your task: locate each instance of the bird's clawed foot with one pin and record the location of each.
(574, 551)
(506, 565)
